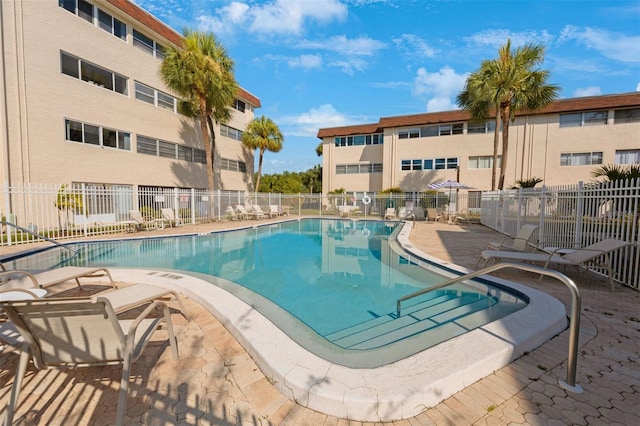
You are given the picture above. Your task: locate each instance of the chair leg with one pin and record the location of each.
(184, 311)
(124, 388)
(172, 337)
(17, 384)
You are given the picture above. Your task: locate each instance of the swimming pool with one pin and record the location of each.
(397, 381)
(331, 285)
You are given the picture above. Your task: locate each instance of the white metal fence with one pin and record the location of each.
(575, 216)
(570, 216)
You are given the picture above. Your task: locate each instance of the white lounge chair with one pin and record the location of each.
(257, 211)
(25, 279)
(141, 222)
(242, 212)
(433, 215)
(390, 213)
(518, 243)
(169, 217)
(597, 254)
(274, 211)
(232, 214)
(63, 333)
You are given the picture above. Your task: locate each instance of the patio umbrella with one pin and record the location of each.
(451, 184)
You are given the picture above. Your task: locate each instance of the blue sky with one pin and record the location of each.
(327, 63)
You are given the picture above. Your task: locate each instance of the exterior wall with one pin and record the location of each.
(39, 97)
(536, 143)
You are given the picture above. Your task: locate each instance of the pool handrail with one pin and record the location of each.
(574, 318)
(35, 234)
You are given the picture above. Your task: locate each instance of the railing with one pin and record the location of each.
(574, 319)
(35, 234)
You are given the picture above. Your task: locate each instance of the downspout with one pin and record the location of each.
(4, 114)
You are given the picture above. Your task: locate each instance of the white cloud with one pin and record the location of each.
(306, 62)
(308, 123)
(587, 91)
(498, 38)
(612, 45)
(361, 46)
(275, 17)
(413, 46)
(638, 87)
(439, 87)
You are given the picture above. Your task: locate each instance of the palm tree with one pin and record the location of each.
(202, 73)
(262, 134)
(508, 84)
(613, 172)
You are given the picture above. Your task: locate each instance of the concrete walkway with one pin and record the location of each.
(215, 382)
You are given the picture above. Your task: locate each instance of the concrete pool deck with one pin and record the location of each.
(217, 382)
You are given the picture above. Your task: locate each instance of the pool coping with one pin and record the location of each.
(395, 391)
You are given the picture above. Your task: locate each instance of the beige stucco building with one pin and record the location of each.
(81, 102)
(561, 144)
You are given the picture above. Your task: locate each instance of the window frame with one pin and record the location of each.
(81, 129)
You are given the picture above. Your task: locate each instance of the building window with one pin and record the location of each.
(106, 199)
(428, 131)
(76, 131)
(233, 165)
(628, 156)
(239, 105)
(373, 139)
(93, 74)
(230, 132)
(578, 119)
(155, 97)
(342, 169)
(88, 12)
(147, 44)
(580, 158)
(159, 148)
(481, 127)
(622, 116)
(483, 162)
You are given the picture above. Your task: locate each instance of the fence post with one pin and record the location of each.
(543, 210)
(579, 213)
(193, 206)
(84, 207)
(519, 219)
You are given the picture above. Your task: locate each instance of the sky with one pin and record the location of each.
(326, 63)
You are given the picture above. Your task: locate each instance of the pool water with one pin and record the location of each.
(339, 278)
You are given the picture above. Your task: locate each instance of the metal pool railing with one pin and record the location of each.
(574, 319)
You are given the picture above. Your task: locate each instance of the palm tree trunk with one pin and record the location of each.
(213, 141)
(505, 111)
(205, 140)
(259, 171)
(496, 139)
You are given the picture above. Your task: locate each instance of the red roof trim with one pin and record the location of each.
(564, 105)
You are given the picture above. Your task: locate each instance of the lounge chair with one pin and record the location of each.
(518, 243)
(590, 254)
(141, 222)
(24, 279)
(257, 211)
(274, 211)
(135, 295)
(63, 333)
(433, 215)
(232, 214)
(169, 217)
(390, 213)
(244, 213)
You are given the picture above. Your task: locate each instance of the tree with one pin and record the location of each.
(264, 135)
(319, 150)
(312, 178)
(613, 172)
(506, 85)
(68, 201)
(202, 73)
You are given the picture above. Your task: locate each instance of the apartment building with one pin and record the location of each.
(82, 103)
(561, 144)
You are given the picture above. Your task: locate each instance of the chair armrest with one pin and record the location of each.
(19, 272)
